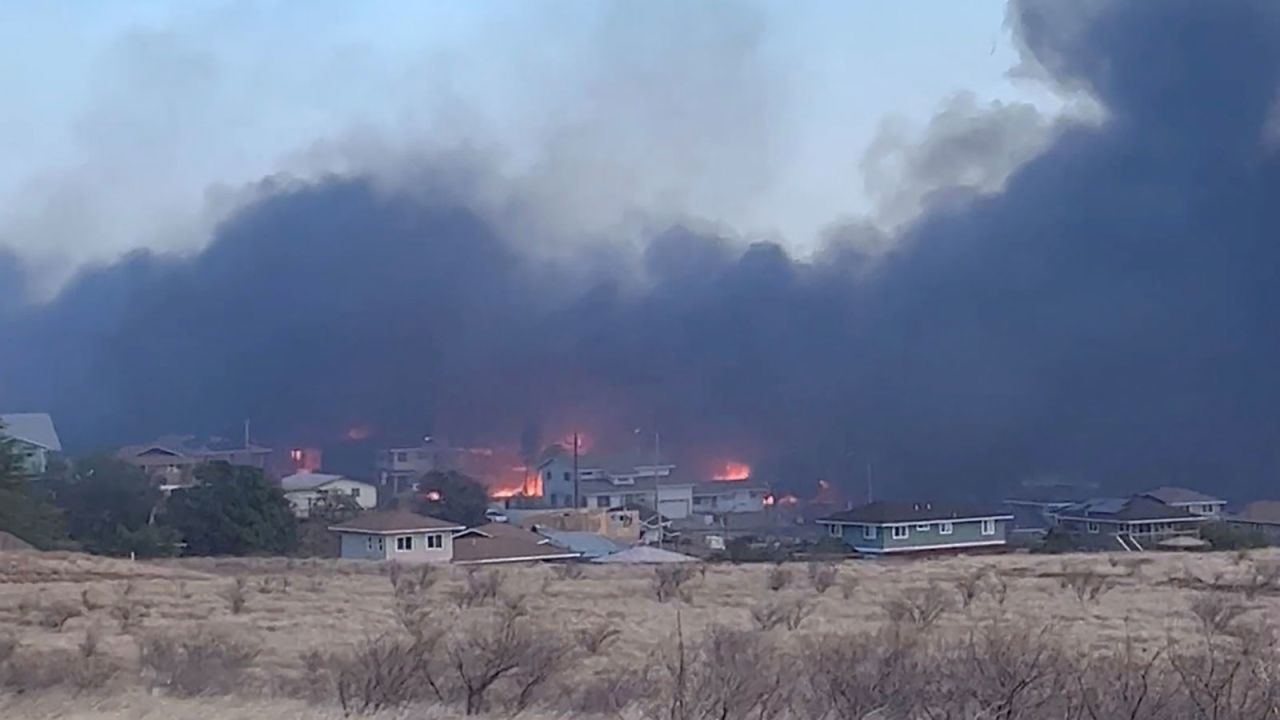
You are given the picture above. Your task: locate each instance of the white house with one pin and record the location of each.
(305, 489)
(729, 496)
(615, 482)
(397, 535)
(34, 437)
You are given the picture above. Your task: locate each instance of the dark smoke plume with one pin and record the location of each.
(1107, 315)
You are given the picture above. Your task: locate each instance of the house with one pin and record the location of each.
(893, 528)
(306, 490)
(498, 543)
(172, 460)
(609, 481)
(645, 555)
(401, 467)
(1035, 502)
(1190, 500)
(729, 496)
(1262, 516)
(396, 535)
(1133, 523)
(35, 440)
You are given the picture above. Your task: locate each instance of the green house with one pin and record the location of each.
(894, 528)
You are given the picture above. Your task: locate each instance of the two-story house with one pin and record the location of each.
(615, 482)
(896, 528)
(172, 460)
(35, 440)
(1138, 522)
(307, 490)
(1193, 501)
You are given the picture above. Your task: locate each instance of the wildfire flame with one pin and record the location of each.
(733, 471)
(358, 433)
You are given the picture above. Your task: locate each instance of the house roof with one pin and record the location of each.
(502, 542)
(1178, 496)
(1137, 507)
(33, 428)
(587, 544)
(394, 521)
(905, 512)
(311, 481)
(644, 484)
(714, 487)
(645, 555)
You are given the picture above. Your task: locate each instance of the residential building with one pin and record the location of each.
(588, 545)
(306, 490)
(729, 496)
(1138, 522)
(396, 535)
(645, 555)
(172, 460)
(1262, 516)
(620, 524)
(1034, 503)
(609, 476)
(400, 467)
(1192, 501)
(893, 528)
(500, 543)
(35, 440)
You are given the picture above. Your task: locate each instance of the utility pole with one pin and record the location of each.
(577, 494)
(657, 484)
(869, 493)
(246, 434)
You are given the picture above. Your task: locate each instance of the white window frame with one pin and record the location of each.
(404, 543)
(946, 528)
(868, 532)
(900, 532)
(923, 527)
(368, 542)
(988, 527)
(1093, 527)
(435, 541)
(835, 530)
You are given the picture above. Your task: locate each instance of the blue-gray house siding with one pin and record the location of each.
(924, 535)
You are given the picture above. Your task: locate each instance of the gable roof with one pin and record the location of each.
(645, 555)
(1179, 495)
(588, 544)
(311, 481)
(32, 428)
(394, 521)
(882, 512)
(1137, 507)
(502, 542)
(1260, 511)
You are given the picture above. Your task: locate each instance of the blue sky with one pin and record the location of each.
(126, 122)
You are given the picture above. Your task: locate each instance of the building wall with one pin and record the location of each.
(962, 533)
(675, 501)
(359, 546)
(730, 500)
(32, 459)
(302, 500)
(557, 482)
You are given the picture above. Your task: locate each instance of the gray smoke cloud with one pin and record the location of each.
(1093, 300)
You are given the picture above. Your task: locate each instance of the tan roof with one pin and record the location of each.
(10, 543)
(394, 521)
(501, 542)
(1265, 511)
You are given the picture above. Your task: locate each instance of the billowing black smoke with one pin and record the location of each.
(1108, 316)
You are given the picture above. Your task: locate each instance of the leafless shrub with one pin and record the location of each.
(92, 639)
(997, 588)
(412, 582)
(568, 571)
(197, 663)
(1217, 613)
(235, 596)
(53, 614)
(609, 692)
(478, 588)
(919, 608)
(88, 602)
(789, 613)
(1006, 671)
(822, 576)
(848, 586)
(970, 585)
(669, 582)
(503, 648)
(593, 639)
(1263, 578)
(44, 669)
(8, 645)
(270, 585)
(778, 577)
(727, 674)
(381, 674)
(1086, 583)
(127, 609)
(853, 676)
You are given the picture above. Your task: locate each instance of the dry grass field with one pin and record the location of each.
(85, 637)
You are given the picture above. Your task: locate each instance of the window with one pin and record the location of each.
(554, 498)
(602, 501)
(901, 532)
(355, 492)
(547, 476)
(869, 532)
(435, 542)
(402, 457)
(368, 543)
(1093, 527)
(1206, 509)
(568, 476)
(924, 527)
(988, 527)
(835, 530)
(404, 543)
(945, 528)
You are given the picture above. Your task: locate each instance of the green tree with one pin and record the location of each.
(110, 509)
(451, 496)
(233, 511)
(24, 513)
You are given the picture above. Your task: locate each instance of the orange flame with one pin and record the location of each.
(733, 471)
(769, 500)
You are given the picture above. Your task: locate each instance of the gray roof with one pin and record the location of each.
(645, 555)
(1138, 507)
(905, 512)
(394, 521)
(588, 544)
(308, 481)
(1181, 496)
(645, 484)
(33, 428)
